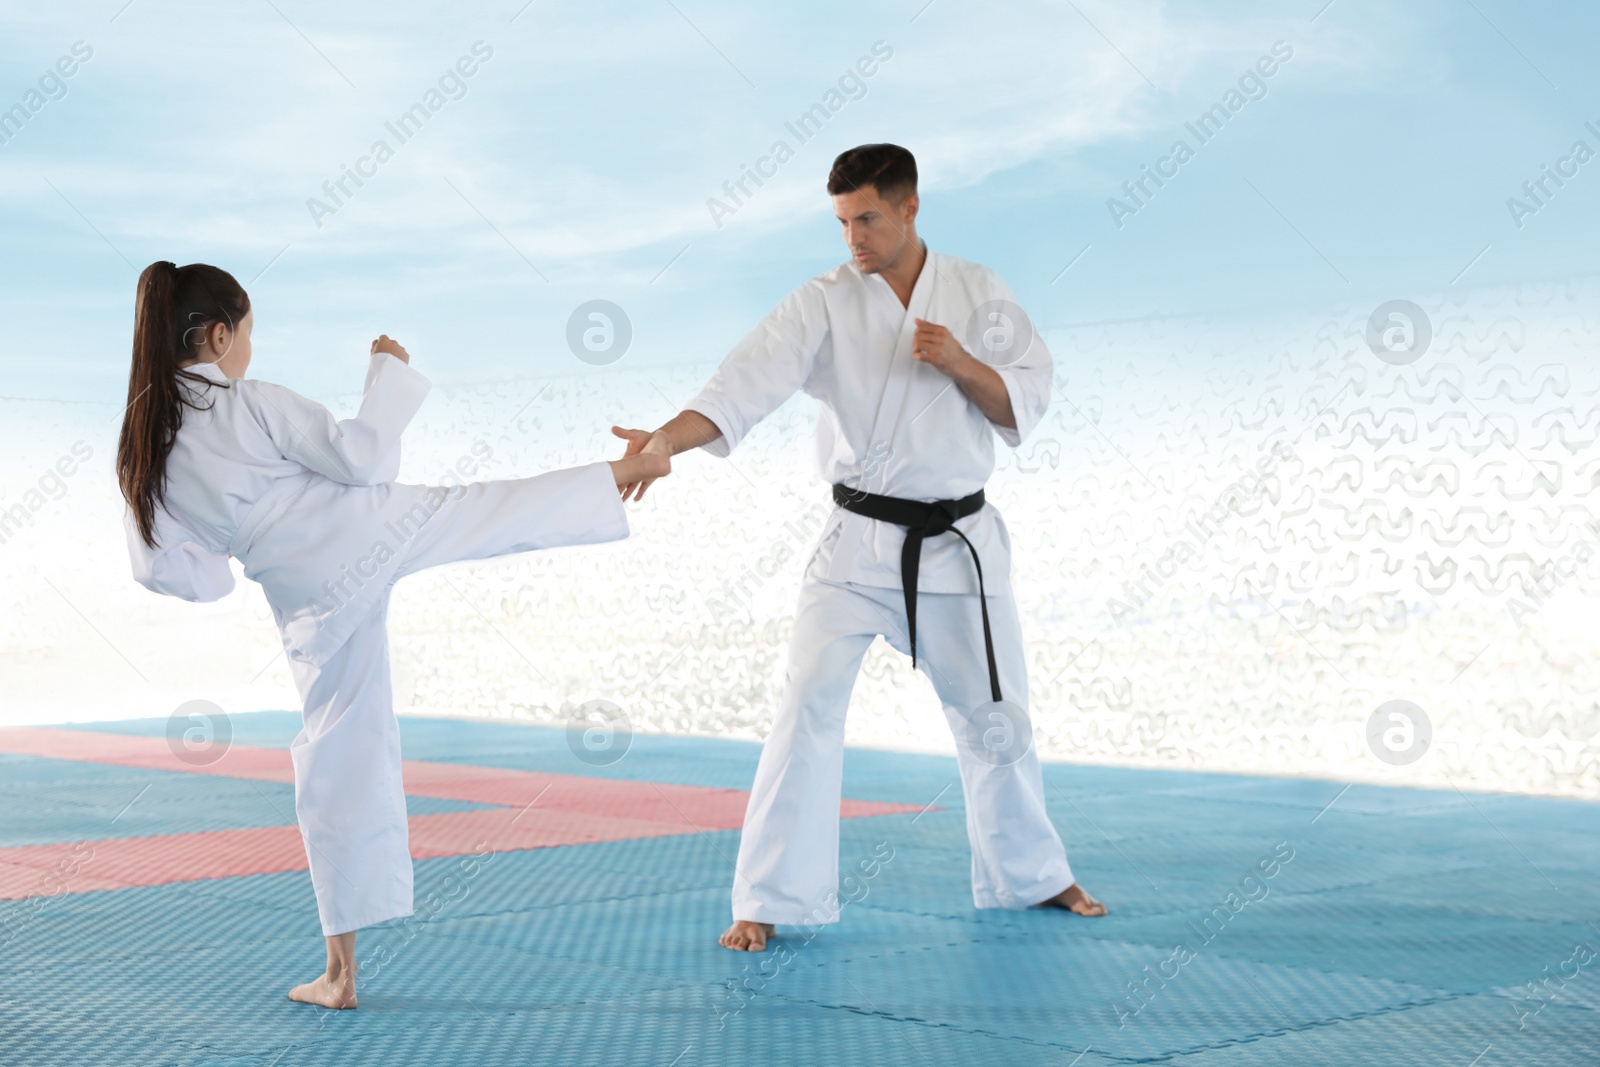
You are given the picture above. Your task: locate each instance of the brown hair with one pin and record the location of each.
(888, 167)
(174, 307)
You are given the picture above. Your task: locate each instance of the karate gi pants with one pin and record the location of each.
(349, 798)
(788, 866)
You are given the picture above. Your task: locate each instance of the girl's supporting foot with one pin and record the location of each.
(1075, 900)
(337, 986)
(327, 991)
(746, 936)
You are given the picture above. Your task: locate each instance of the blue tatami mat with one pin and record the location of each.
(1397, 927)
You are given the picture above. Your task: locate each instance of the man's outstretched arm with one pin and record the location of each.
(685, 430)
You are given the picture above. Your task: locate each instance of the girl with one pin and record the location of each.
(214, 465)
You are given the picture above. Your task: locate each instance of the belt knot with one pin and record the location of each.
(921, 521)
(942, 515)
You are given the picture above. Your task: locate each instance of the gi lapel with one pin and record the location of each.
(902, 366)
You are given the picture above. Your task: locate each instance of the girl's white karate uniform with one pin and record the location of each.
(892, 426)
(309, 505)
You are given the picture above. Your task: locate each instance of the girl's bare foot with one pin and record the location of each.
(327, 992)
(1075, 900)
(337, 986)
(747, 936)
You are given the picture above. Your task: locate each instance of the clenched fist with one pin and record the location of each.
(385, 343)
(937, 346)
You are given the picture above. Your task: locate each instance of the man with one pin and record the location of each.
(906, 437)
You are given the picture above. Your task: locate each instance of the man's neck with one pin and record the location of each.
(903, 273)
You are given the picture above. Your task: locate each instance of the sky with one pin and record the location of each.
(580, 158)
(557, 153)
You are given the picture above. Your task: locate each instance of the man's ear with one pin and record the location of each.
(908, 208)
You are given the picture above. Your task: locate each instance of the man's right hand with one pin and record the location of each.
(645, 442)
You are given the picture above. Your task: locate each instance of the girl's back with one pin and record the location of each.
(245, 442)
(215, 465)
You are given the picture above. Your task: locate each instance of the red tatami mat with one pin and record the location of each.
(531, 810)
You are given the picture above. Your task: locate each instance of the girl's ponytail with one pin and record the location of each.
(173, 308)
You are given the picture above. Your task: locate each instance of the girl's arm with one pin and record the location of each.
(179, 565)
(363, 450)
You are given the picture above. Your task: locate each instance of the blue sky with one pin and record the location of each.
(576, 162)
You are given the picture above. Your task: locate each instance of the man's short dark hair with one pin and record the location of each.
(888, 167)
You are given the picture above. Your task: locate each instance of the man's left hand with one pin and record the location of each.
(938, 347)
(982, 384)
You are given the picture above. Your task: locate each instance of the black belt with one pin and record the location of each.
(923, 520)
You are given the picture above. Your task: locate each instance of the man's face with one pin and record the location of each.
(875, 230)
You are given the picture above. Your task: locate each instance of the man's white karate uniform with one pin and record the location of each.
(895, 427)
(309, 505)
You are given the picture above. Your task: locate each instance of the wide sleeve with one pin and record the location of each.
(576, 506)
(362, 450)
(178, 565)
(766, 367)
(1029, 377)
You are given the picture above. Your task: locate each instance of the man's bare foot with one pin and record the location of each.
(1075, 900)
(326, 992)
(746, 936)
